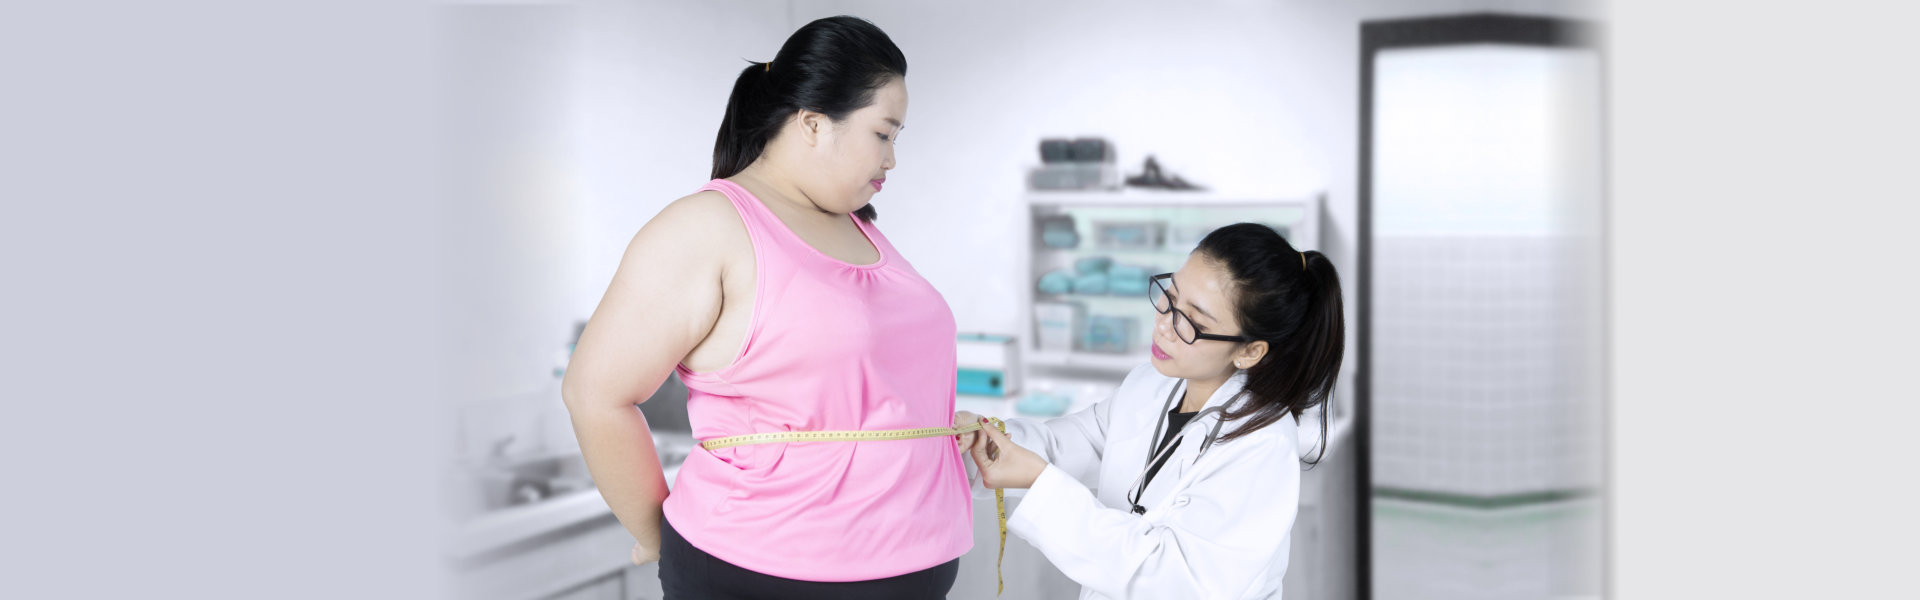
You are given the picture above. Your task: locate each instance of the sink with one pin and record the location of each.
(541, 477)
(484, 486)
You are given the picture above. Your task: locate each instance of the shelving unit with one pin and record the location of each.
(1186, 217)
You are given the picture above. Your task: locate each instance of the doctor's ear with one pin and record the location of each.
(1250, 355)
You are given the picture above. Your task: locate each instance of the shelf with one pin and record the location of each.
(1120, 363)
(1183, 216)
(1160, 252)
(1140, 299)
(1154, 198)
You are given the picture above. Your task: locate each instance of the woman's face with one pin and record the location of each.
(851, 157)
(1203, 291)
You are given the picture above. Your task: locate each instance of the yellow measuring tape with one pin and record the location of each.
(999, 496)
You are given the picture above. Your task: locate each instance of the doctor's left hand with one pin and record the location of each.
(1002, 463)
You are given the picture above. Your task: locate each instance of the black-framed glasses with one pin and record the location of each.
(1182, 324)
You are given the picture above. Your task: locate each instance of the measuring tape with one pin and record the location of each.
(999, 496)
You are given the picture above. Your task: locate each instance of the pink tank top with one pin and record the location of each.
(831, 346)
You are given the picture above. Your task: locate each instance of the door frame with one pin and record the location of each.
(1477, 28)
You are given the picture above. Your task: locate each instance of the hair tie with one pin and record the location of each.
(1303, 259)
(767, 66)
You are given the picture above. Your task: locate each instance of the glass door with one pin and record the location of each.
(1481, 386)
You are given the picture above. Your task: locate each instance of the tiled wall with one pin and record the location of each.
(1485, 365)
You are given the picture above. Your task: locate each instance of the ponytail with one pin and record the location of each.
(1291, 300)
(830, 66)
(745, 129)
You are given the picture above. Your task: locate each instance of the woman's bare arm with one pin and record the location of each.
(663, 301)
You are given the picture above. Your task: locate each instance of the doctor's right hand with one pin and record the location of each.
(1004, 464)
(965, 440)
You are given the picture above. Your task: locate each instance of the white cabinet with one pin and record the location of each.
(589, 559)
(1128, 233)
(608, 587)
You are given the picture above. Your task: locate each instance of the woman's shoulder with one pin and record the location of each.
(705, 209)
(1281, 438)
(1141, 383)
(700, 216)
(699, 224)
(1144, 374)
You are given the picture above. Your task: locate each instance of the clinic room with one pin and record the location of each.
(1025, 300)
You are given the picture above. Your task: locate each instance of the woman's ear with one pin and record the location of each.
(1250, 355)
(811, 124)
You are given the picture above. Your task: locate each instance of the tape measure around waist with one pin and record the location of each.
(780, 437)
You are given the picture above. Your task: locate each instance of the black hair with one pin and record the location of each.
(1291, 300)
(831, 66)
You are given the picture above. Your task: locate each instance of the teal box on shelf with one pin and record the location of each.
(1092, 265)
(1056, 282)
(981, 382)
(987, 365)
(1056, 231)
(1042, 404)
(1090, 284)
(1107, 333)
(1127, 280)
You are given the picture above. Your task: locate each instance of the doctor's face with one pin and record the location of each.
(1202, 291)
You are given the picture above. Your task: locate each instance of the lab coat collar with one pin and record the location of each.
(1221, 397)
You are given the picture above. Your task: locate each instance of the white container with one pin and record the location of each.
(998, 355)
(1054, 324)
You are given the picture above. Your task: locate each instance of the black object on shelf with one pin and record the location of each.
(1075, 164)
(1152, 177)
(1091, 150)
(1056, 150)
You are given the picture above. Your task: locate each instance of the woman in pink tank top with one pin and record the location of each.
(783, 308)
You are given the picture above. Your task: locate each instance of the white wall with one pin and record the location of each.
(655, 79)
(1245, 97)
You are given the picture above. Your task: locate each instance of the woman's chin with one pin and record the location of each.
(1163, 365)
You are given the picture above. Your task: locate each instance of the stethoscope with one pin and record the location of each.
(1159, 427)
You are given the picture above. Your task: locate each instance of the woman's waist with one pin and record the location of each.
(714, 415)
(869, 473)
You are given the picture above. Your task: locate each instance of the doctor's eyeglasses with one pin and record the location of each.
(1182, 325)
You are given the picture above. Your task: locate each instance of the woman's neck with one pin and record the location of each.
(766, 182)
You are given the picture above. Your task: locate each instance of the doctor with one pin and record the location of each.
(1184, 483)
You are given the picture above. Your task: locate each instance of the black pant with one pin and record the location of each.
(688, 573)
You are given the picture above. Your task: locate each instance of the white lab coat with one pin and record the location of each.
(1217, 524)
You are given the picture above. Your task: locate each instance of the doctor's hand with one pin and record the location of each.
(965, 440)
(1002, 463)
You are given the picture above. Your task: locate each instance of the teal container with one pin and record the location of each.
(1092, 265)
(981, 382)
(1090, 284)
(1056, 282)
(1127, 280)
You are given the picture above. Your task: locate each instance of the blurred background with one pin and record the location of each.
(1446, 156)
(289, 285)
